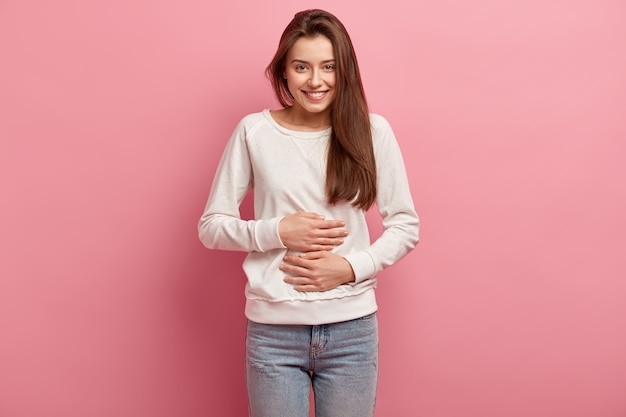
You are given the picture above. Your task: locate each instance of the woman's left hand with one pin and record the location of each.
(317, 271)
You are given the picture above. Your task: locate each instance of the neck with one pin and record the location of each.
(305, 120)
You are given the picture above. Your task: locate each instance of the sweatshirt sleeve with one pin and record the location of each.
(221, 226)
(395, 205)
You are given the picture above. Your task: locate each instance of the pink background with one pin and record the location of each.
(512, 119)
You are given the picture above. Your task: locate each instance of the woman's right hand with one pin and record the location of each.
(308, 232)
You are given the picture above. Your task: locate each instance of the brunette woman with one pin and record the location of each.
(315, 167)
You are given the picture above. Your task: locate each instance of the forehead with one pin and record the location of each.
(311, 49)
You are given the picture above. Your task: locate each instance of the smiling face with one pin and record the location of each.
(310, 74)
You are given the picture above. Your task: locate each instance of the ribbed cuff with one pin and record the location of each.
(266, 233)
(362, 265)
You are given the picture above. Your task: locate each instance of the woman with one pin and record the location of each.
(315, 166)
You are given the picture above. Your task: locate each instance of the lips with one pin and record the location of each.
(316, 95)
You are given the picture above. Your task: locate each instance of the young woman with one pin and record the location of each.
(315, 166)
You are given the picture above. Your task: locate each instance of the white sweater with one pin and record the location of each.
(287, 171)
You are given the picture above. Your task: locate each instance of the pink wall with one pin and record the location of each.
(512, 117)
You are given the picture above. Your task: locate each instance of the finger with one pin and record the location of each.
(336, 233)
(320, 247)
(294, 270)
(332, 241)
(306, 288)
(298, 281)
(329, 235)
(302, 284)
(341, 232)
(311, 215)
(331, 224)
(293, 261)
(310, 285)
(324, 243)
(325, 248)
(308, 256)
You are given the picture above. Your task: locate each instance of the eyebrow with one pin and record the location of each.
(306, 62)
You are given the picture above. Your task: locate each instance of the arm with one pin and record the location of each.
(395, 206)
(316, 271)
(221, 226)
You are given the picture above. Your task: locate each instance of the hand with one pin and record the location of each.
(308, 232)
(317, 271)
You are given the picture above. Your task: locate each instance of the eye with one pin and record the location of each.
(300, 68)
(329, 67)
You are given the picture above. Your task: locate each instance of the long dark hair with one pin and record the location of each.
(351, 167)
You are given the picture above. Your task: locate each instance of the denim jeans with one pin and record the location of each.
(339, 360)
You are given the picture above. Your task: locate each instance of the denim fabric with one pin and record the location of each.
(339, 360)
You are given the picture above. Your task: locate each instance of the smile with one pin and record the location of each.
(315, 94)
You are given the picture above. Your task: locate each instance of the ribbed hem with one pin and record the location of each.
(312, 312)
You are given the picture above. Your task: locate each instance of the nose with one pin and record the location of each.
(315, 80)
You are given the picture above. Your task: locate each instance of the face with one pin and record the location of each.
(310, 74)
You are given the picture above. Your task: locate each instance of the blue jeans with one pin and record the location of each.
(339, 360)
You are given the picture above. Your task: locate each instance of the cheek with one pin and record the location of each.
(293, 81)
(290, 85)
(332, 80)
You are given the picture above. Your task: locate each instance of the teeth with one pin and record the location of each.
(316, 95)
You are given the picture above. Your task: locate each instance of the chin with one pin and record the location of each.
(316, 107)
